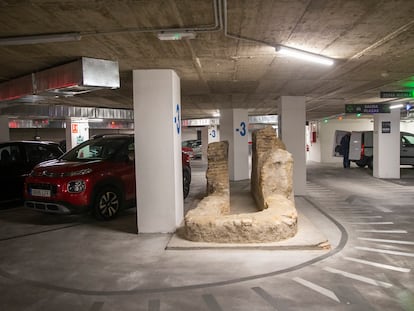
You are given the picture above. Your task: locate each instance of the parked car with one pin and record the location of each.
(362, 145)
(17, 159)
(97, 175)
(195, 146)
(188, 151)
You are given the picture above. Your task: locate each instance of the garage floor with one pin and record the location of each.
(76, 263)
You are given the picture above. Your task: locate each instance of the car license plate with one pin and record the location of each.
(40, 192)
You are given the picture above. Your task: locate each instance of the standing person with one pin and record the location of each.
(345, 149)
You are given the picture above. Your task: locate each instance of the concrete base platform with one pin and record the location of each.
(307, 238)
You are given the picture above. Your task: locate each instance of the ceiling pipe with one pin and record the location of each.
(37, 39)
(76, 36)
(217, 26)
(278, 47)
(237, 37)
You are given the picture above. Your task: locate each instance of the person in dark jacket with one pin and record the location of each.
(345, 149)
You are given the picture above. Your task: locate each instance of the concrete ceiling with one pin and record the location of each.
(232, 62)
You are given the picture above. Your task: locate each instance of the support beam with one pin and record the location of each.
(234, 124)
(158, 164)
(292, 131)
(387, 145)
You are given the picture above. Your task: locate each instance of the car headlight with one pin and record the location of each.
(76, 186)
(80, 172)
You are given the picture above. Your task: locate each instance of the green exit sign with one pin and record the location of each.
(397, 94)
(367, 108)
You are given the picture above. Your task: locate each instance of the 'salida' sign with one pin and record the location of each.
(367, 108)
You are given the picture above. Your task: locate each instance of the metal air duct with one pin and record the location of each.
(81, 76)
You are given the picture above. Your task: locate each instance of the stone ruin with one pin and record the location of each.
(271, 188)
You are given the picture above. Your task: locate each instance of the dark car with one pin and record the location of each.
(17, 159)
(97, 175)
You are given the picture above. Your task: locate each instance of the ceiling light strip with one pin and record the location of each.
(304, 55)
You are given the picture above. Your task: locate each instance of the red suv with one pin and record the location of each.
(98, 174)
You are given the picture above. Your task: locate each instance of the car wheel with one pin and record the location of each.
(370, 163)
(361, 163)
(107, 203)
(186, 183)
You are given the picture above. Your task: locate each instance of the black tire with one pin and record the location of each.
(186, 183)
(108, 202)
(370, 163)
(361, 163)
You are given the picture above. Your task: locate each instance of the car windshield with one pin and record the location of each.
(408, 139)
(95, 149)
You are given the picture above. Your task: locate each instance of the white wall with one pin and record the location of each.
(57, 135)
(326, 135)
(189, 133)
(407, 127)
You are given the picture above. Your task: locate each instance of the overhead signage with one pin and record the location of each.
(397, 94)
(367, 108)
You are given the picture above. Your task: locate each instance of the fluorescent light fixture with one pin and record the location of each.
(304, 55)
(396, 106)
(97, 120)
(37, 39)
(175, 35)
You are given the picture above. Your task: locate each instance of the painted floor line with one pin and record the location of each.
(378, 265)
(372, 223)
(321, 290)
(385, 251)
(383, 209)
(383, 231)
(211, 303)
(387, 241)
(265, 296)
(368, 217)
(358, 277)
(154, 305)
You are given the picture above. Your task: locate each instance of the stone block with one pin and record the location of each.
(271, 187)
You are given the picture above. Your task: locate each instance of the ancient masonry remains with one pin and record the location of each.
(271, 187)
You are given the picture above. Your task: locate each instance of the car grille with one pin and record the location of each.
(44, 186)
(45, 173)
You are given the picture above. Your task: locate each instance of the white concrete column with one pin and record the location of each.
(4, 128)
(213, 134)
(209, 134)
(158, 166)
(77, 131)
(387, 145)
(234, 125)
(292, 124)
(204, 143)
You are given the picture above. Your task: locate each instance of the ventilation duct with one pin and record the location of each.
(81, 76)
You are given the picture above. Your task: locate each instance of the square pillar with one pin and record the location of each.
(292, 125)
(4, 128)
(209, 134)
(158, 159)
(234, 124)
(387, 145)
(77, 131)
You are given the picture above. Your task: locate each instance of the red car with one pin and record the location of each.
(98, 174)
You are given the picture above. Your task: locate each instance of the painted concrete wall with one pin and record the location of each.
(189, 133)
(326, 136)
(407, 127)
(57, 135)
